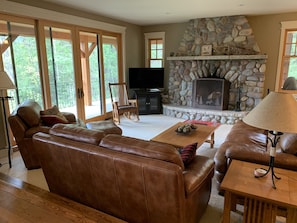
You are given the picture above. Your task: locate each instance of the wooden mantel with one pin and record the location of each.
(221, 57)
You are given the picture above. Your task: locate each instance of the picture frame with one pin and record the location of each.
(206, 50)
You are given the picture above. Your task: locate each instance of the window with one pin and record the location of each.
(287, 64)
(156, 53)
(20, 59)
(154, 49)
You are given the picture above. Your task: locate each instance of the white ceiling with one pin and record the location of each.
(152, 12)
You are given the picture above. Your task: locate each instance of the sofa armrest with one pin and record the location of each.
(248, 155)
(77, 133)
(197, 173)
(31, 131)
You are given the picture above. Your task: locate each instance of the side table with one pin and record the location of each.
(261, 201)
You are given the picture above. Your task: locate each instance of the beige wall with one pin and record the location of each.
(173, 35)
(267, 30)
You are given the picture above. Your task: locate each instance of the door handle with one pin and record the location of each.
(80, 92)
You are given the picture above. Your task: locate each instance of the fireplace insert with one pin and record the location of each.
(211, 93)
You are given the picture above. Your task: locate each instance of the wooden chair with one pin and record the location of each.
(121, 104)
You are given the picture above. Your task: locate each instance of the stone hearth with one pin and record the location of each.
(190, 113)
(234, 57)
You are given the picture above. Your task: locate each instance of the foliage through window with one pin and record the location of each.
(44, 63)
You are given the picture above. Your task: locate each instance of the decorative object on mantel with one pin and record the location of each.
(206, 50)
(5, 84)
(277, 112)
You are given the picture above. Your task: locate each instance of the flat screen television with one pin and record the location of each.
(146, 78)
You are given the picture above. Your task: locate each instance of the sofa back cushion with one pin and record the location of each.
(29, 111)
(142, 148)
(76, 133)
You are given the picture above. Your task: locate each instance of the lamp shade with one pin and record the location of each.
(276, 112)
(5, 81)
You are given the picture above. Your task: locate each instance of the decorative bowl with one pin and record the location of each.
(185, 129)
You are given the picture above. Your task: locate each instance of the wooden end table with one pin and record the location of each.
(203, 133)
(261, 201)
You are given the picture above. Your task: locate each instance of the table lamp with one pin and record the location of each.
(277, 113)
(6, 83)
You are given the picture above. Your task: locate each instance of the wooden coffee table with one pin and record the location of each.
(261, 202)
(203, 133)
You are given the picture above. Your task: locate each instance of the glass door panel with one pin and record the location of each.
(111, 67)
(20, 60)
(90, 65)
(59, 53)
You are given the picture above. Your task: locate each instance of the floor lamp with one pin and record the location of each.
(277, 113)
(6, 83)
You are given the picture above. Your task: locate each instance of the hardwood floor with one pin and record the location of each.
(23, 202)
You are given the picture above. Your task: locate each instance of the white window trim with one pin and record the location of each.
(284, 26)
(153, 35)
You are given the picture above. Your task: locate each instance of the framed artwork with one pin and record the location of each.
(206, 50)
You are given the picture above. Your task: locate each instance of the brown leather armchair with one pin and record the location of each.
(24, 122)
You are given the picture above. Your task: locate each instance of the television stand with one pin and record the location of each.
(149, 101)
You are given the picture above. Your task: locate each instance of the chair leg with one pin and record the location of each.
(116, 117)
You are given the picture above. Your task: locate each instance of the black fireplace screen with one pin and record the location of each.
(211, 93)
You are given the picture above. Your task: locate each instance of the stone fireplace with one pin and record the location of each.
(234, 57)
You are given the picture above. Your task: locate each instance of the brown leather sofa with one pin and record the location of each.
(24, 122)
(249, 144)
(132, 179)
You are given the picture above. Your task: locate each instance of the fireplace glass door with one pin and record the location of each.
(211, 93)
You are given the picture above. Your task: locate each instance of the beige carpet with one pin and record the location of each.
(146, 128)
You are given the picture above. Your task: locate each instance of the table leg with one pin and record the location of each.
(211, 140)
(227, 207)
(292, 215)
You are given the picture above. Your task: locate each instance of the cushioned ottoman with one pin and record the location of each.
(107, 126)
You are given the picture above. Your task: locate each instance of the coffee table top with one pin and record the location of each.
(199, 135)
(240, 180)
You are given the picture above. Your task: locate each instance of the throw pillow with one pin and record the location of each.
(50, 120)
(51, 111)
(188, 153)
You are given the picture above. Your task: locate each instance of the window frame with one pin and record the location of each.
(153, 36)
(285, 27)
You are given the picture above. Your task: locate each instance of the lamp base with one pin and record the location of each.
(261, 172)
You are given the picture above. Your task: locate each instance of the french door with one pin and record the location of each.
(19, 58)
(99, 66)
(80, 63)
(60, 64)
(60, 68)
